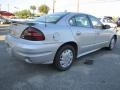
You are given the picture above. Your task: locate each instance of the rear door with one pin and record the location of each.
(83, 32)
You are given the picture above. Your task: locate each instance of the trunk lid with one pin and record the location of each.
(17, 27)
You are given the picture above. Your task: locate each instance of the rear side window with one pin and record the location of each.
(80, 20)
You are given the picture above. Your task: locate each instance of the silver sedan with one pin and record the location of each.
(58, 38)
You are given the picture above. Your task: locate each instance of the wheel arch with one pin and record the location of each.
(73, 44)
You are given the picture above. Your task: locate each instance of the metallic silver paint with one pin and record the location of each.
(87, 39)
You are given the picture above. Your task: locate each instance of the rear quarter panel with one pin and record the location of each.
(55, 33)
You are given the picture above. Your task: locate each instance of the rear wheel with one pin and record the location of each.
(64, 57)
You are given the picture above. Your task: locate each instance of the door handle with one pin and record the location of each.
(78, 33)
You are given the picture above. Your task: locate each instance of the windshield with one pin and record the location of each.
(51, 18)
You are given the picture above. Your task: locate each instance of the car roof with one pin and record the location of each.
(74, 13)
(78, 13)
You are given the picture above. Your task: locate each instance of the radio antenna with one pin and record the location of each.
(45, 14)
(45, 21)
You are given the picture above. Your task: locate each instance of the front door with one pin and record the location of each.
(83, 33)
(102, 35)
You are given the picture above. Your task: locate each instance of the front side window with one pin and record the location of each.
(80, 20)
(96, 23)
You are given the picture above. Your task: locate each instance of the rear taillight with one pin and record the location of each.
(32, 34)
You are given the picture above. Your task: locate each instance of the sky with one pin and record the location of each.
(94, 7)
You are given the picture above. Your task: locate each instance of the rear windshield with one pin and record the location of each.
(51, 18)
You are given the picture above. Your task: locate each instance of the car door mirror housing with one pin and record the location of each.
(106, 27)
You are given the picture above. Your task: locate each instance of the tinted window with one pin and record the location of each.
(80, 20)
(96, 23)
(51, 18)
(72, 21)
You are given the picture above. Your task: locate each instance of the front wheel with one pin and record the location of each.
(64, 57)
(112, 43)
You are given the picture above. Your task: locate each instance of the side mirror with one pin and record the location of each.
(106, 27)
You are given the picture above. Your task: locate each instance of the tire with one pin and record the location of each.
(112, 44)
(64, 57)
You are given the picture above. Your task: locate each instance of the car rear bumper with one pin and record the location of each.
(31, 53)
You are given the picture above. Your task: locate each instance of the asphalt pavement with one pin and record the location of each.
(102, 74)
